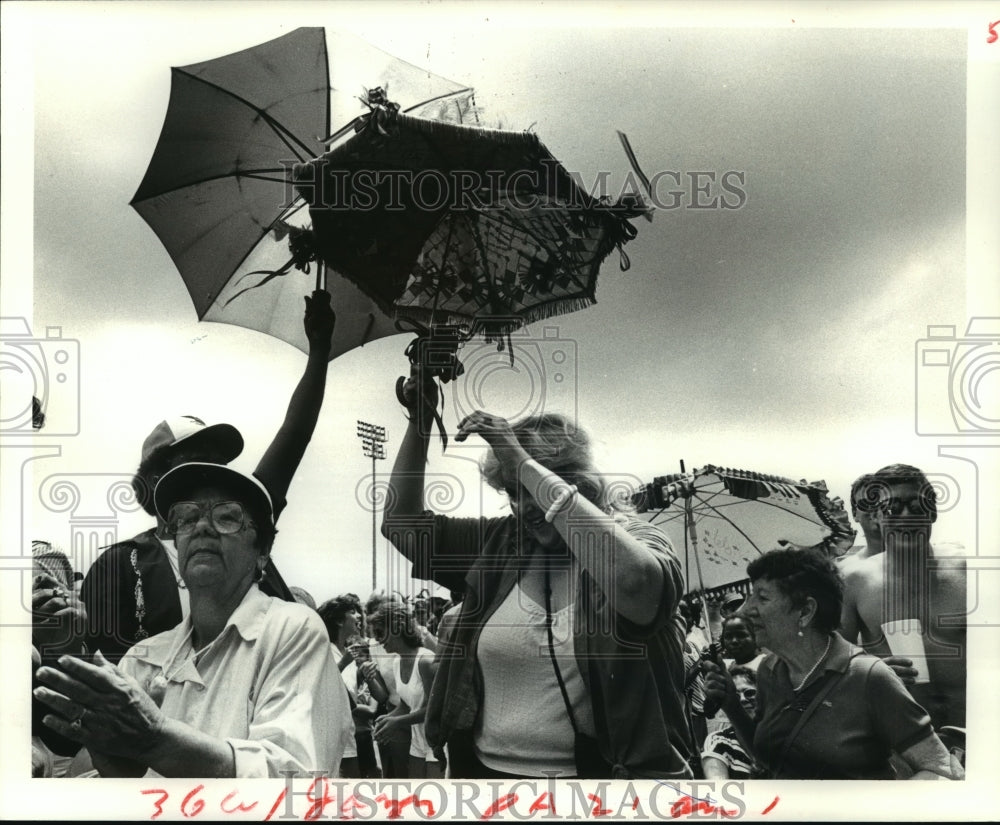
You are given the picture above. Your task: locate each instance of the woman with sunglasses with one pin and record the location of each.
(245, 686)
(566, 658)
(723, 757)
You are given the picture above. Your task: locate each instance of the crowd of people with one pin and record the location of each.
(568, 647)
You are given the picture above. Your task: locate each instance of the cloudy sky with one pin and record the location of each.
(780, 336)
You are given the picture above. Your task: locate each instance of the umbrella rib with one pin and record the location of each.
(280, 130)
(494, 300)
(444, 257)
(281, 216)
(718, 512)
(498, 219)
(255, 174)
(351, 125)
(762, 502)
(368, 328)
(326, 73)
(438, 97)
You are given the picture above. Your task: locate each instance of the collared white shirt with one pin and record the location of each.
(268, 685)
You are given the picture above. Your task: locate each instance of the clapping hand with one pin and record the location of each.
(368, 669)
(100, 707)
(387, 728)
(359, 652)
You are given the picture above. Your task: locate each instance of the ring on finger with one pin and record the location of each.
(77, 723)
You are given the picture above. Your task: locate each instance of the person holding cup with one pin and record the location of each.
(906, 602)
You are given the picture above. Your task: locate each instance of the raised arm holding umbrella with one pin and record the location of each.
(587, 682)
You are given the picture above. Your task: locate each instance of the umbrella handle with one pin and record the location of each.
(401, 398)
(692, 535)
(435, 350)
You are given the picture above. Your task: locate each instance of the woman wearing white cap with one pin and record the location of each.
(245, 686)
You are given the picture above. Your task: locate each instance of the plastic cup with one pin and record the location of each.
(905, 638)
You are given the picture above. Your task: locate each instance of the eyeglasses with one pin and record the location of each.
(747, 693)
(226, 517)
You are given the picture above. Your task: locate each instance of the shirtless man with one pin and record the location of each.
(904, 579)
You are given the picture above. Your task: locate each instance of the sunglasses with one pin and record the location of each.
(895, 507)
(226, 517)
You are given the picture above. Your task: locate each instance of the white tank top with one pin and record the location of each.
(523, 726)
(412, 692)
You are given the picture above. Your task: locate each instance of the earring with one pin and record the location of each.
(800, 631)
(259, 574)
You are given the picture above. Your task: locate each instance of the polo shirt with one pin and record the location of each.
(866, 716)
(267, 684)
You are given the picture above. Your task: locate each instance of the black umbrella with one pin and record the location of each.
(217, 191)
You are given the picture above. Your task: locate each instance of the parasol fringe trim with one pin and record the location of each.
(473, 133)
(496, 330)
(563, 306)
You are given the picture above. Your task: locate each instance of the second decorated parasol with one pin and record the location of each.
(738, 515)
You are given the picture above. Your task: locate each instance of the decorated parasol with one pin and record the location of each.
(458, 230)
(724, 518)
(450, 224)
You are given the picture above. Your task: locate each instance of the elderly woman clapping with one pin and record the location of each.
(825, 709)
(246, 686)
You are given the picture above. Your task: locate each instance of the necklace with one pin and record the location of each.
(181, 585)
(812, 670)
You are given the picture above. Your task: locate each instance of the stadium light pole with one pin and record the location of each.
(373, 438)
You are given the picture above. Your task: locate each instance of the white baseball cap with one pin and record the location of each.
(192, 431)
(178, 484)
